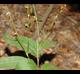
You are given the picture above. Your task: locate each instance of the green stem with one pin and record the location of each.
(16, 34)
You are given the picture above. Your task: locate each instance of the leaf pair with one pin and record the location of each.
(30, 46)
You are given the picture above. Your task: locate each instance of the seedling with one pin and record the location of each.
(30, 46)
(21, 63)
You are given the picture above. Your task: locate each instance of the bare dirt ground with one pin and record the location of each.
(65, 29)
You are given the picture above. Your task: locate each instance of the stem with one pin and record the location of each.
(16, 34)
(37, 32)
(45, 16)
(59, 12)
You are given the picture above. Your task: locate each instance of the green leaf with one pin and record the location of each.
(33, 47)
(47, 44)
(17, 63)
(48, 66)
(30, 45)
(10, 40)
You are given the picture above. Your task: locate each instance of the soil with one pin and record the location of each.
(65, 29)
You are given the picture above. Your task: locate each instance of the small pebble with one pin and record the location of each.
(8, 13)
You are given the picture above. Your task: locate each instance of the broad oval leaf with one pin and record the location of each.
(28, 44)
(17, 63)
(48, 66)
